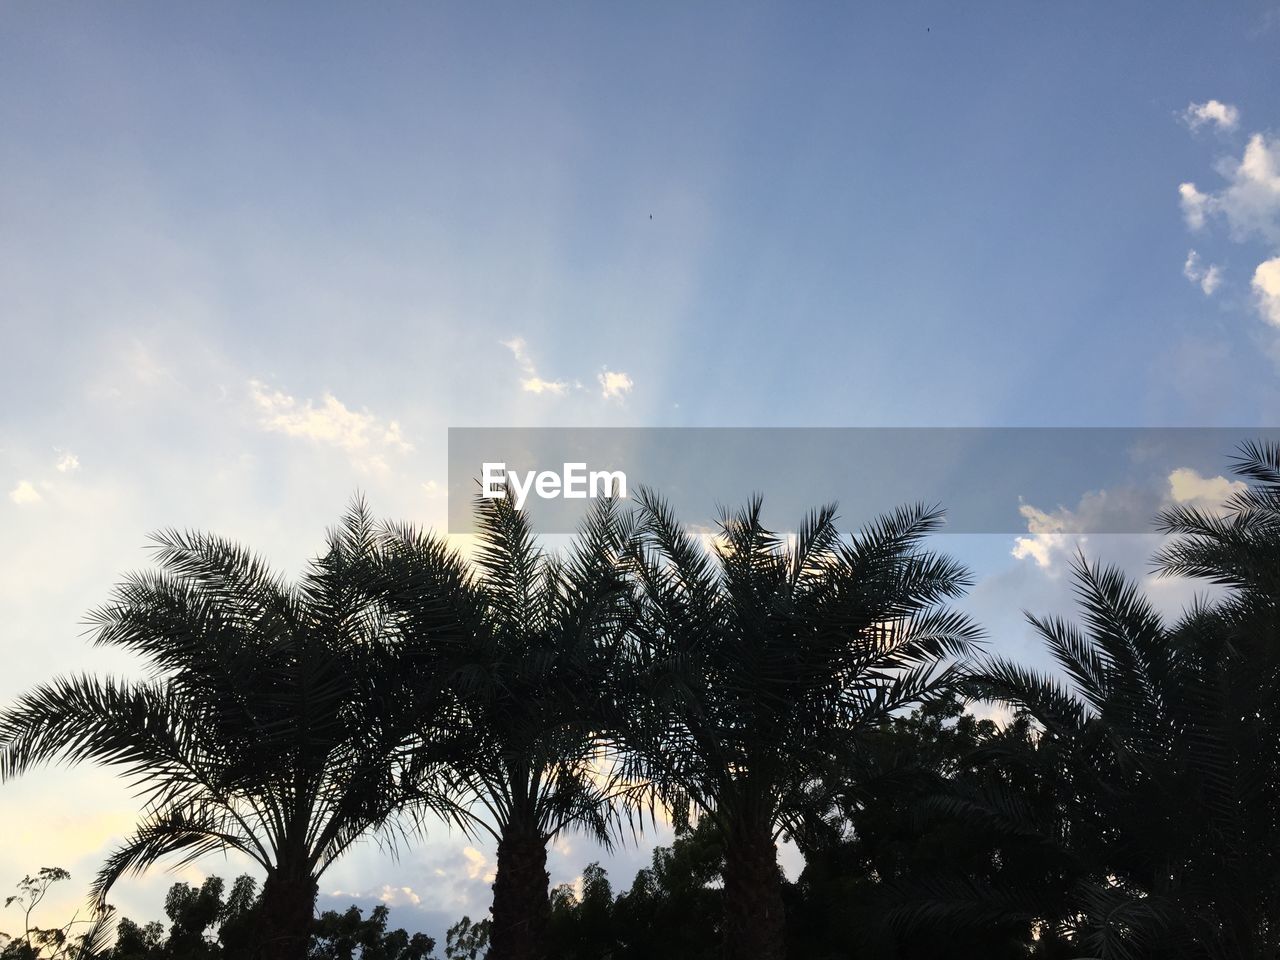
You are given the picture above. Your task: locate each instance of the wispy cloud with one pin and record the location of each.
(1195, 205)
(1207, 278)
(366, 439)
(1266, 290)
(531, 382)
(1250, 201)
(25, 493)
(478, 867)
(1188, 488)
(1214, 112)
(1048, 535)
(614, 384)
(1249, 205)
(1052, 534)
(68, 462)
(387, 894)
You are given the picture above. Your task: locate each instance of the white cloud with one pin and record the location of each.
(614, 384)
(538, 385)
(1222, 115)
(434, 490)
(477, 865)
(1211, 280)
(391, 896)
(1250, 202)
(25, 493)
(1266, 290)
(1188, 488)
(532, 383)
(1039, 548)
(399, 896)
(1194, 204)
(517, 346)
(1048, 535)
(1054, 534)
(1208, 278)
(68, 462)
(363, 437)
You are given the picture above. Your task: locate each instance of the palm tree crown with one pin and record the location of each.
(273, 720)
(1161, 741)
(525, 759)
(753, 671)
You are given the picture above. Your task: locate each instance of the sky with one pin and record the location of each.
(256, 257)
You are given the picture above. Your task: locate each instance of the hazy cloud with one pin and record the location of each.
(614, 384)
(531, 382)
(538, 385)
(25, 493)
(1195, 205)
(1053, 534)
(1188, 488)
(1048, 535)
(1250, 202)
(1207, 278)
(1221, 115)
(1266, 290)
(477, 865)
(365, 438)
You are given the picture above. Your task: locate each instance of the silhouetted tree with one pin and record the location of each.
(525, 761)
(134, 942)
(351, 936)
(195, 914)
(900, 829)
(466, 940)
(1163, 742)
(80, 938)
(272, 723)
(754, 671)
(674, 908)
(582, 927)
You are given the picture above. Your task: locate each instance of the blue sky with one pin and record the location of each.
(253, 257)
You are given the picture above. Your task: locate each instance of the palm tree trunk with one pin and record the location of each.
(287, 914)
(755, 923)
(521, 906)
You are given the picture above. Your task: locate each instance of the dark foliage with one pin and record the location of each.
(1129, 809)
(753, 674)
(203, 924)
(525, 762)
(272, 722)
(1161, 748)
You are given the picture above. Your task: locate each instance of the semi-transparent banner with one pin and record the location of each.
(989, 480)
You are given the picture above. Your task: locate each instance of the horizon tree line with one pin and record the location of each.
(753, 690)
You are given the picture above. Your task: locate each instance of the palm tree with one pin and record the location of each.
(1162, 740)
(273, 718)
(525, 761)
(753, 672)
(1104, 750)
